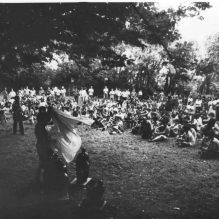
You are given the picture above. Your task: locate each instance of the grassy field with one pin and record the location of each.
(143, 180)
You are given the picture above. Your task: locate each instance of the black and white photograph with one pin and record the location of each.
(109, 109)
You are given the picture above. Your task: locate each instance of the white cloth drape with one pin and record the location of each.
(65, 138)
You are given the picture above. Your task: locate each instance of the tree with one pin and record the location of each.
(209, 67)
(181, 66)
(30, 33)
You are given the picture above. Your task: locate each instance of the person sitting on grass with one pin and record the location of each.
(187, 139)
(210, 124)
(147, 129)
(175, 128)
(210, 146)
(117, 126)
(129, 120)
(136, 130)
(197, 121)
(162, 132)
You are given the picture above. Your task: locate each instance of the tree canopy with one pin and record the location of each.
(31, 33)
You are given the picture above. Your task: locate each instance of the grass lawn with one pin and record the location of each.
(143, 180)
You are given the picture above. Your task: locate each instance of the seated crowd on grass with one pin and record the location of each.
(157, 118)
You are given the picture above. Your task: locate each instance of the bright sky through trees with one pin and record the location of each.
(191, 28)
(194, 29)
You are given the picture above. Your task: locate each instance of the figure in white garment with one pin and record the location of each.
(91, 92)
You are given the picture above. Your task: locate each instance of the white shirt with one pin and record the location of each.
(190, 99)
(91, 91)
(198, 103)
(83, 93)
(23, 108)
(140, 93)
(12, 94)
(32, 92)
(119, 93)
(44, 104)
(191, 138)
(112, 92)
(26, 91)
(63, 91)
(128, 93)
(105, 90)
(123, 94)
(58, 92)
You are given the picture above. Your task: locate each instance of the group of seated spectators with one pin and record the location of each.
(157, 118)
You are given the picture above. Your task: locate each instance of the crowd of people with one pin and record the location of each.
(190, 120)
(157, 118)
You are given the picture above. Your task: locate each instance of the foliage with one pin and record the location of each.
(181, 68)
(209, 67)
(32, 33)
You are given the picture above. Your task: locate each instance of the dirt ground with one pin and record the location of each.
(143, 180)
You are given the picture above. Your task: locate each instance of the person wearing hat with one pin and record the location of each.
(17, 116)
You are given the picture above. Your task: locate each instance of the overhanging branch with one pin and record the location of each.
(153, 29)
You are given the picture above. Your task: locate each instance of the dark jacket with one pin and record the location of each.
(17, 112)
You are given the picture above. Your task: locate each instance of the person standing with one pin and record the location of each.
(17, 116)
(63, 92)
(33, 92)
(105, 92)
(112, 93)
(5, 94)
(76, 94)
(116, 94)
(42, 144)
(198, 104)
(133, 93)
(91, 92)
(140, 94)
(84, 94)
(119, 93)
(41, 91)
